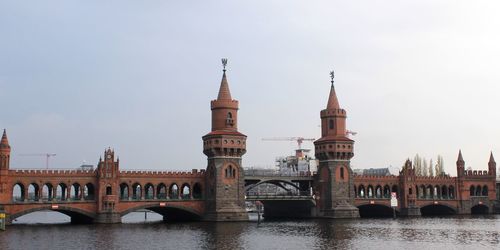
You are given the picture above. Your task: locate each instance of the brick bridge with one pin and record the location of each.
(217, 193)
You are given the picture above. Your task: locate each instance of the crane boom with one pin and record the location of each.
(299, 140)
(47, 156)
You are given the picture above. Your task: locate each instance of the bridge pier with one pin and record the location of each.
(411, 211)
(107, 218)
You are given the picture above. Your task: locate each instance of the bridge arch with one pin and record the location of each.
(437, 209)
(368, 210)
(479, 209)
(278, 183)
(18, 192)
(77, 215)
(169, 212)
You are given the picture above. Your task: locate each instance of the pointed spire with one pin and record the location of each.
(460, 158)
(333, 102)
(224, 93)
(4, 140)
(492, 160)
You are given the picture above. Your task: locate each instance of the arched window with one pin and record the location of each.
(472, 191)
(229, 119)
(330, 124)
(485, 190)
(108, 190)
(341, 173)
(230, 172)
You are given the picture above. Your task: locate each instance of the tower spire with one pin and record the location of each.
(4, 141)
(333, 102)
(224, 93)
(460, 158)
(491, 158)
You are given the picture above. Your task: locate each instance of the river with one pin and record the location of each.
(50, 230)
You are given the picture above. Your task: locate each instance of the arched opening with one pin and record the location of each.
(76, 192)
(186, 191)
(197, 191)
(341, 173)
(451, 192)
(109, 190)
(167, 213)
(436, 209)
(378, 192)
(437, 192)
(149, 191)
(331, 124)
(161, 191)
(410, 191)
(136, 191)
(89, 192)
(478, 190)
(18, 194)
(124, 193)
(444, 192)
(230, 172)
(361, 191)
(47, 192)
(45, 216)
(370, 191)
(375, 211)
(173, 191)
(479, 209)
(485, 191)
(395, 190)
(423, 195)
(429, 191)
(387, 192)
(61, 192)
(33, 192)
(472, 191)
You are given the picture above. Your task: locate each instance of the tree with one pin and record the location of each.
(440, 166)
(417, 164)
(425, 171)
(431, 168)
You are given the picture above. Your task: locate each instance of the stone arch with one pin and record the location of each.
(161, 191)
(387, 192)
(197, 191)
(484, 192)
(361, 191)
(77, 215)
(185, 191)
(61, 191)
(437, 209)
(136, 191)
(33, 192)
(369, 191)
(18, 192)
(89, 191)
(368, 210)
(76, 191)
(173, 191)
(378, 191)
(124, 191)
(47, 192)
(479, 209)
(179, 212)
(149, 192)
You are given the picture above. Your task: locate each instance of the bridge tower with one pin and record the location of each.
(4, 167)
(407, 194)
(224, 147)
(334, 151)
(108, 188)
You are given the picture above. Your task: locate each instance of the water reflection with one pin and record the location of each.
(411, 233)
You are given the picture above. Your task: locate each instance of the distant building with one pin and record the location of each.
(86, 167)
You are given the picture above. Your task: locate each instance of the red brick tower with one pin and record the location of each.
(107, 189)
(492, 166)
(4, 152)
(4, 168)
(334, 152)
(407, 193)
(224, 147)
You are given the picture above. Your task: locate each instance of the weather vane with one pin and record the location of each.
(332, 75)
(224, 63)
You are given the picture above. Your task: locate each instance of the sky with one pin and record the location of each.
(77, 77)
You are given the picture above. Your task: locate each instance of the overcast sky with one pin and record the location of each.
(138, 76)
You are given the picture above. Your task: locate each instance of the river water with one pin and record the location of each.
(468, 232)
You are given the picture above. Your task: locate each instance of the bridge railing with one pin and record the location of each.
(271, 172)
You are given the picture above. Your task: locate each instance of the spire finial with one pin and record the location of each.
(224, 64)
(332, 75)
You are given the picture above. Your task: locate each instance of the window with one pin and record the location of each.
(108, 190)
(342, 173)
(229, 119)
(331, 125)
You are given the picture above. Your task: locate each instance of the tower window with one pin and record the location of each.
(230, 172)
(342, 173)
(229, 119)
(330, 124)
(108, 190)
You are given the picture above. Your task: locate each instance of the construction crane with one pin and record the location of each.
(299, 140)
(47, 157)
(349, 132)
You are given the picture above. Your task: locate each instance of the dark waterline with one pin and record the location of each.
(479, 232)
